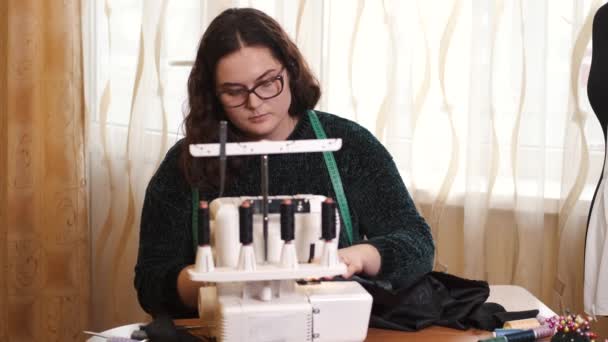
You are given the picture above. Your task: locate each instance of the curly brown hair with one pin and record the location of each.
(228, 32)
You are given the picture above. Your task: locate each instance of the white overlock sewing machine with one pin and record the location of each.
(266, 256)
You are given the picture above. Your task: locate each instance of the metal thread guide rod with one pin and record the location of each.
(223, 138)
(264, 182)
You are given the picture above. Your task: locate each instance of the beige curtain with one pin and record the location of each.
(481, 103)
(44, 235)
(3, 169)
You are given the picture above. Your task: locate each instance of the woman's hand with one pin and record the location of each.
(363, 258)
(187, 289)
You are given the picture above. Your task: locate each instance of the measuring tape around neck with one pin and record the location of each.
(334, 175)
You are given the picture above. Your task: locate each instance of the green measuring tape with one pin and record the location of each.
(334, 175)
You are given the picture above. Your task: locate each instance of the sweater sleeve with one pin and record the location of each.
(165, 246)
(388, 217)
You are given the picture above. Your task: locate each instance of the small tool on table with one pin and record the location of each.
(136, 336)
(139, 335)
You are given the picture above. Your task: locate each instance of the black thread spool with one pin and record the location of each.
(246, 223)
(522, 336)
(203, 224)
(328, 220)
(287, 220)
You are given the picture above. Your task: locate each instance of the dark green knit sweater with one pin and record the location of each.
(380, 206)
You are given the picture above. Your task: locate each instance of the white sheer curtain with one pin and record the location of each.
(482, 104)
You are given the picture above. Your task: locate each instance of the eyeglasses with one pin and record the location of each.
(265, 90)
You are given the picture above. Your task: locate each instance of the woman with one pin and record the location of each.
(248, 72)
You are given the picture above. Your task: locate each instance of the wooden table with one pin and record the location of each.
(513, 298)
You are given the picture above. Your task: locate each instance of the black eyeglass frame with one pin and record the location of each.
(278, 77)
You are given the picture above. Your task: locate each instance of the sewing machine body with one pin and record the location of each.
(271, 300)
(317, 311)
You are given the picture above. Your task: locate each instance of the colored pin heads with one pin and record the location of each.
(571, 328)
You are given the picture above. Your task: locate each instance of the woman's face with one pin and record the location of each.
(263, 113)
